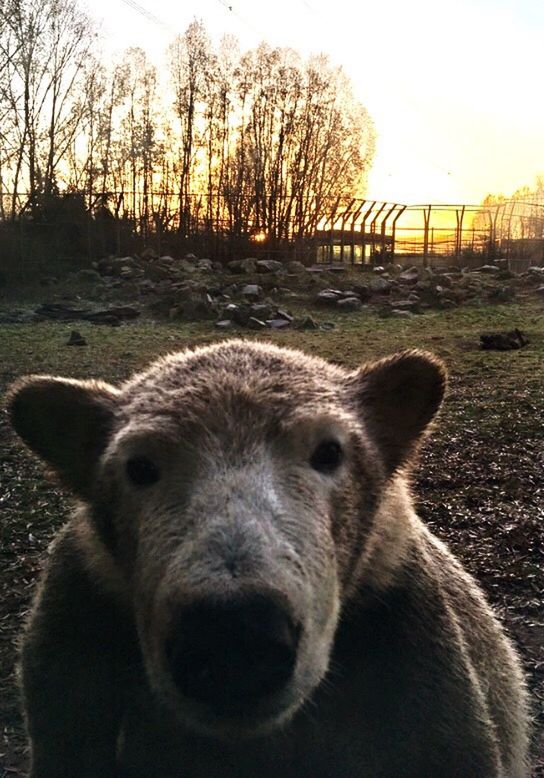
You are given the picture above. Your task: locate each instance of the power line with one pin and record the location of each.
(146, 14)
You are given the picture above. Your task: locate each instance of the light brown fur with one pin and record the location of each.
(402, 669)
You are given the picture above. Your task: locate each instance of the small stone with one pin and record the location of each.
(328, 325)
(380, 286)
(296, 267)
(349, 304)
(269, 266)
(186, 265)
(277, 324)
(362, 291)
(281, 314)
(248, 265)
(410, 276)
(149, 253)
(255, 324)
(252, 291)
(224, 324)
(404, 305)
(76, 339)
(307, 323)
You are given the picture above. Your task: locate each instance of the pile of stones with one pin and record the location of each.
(255, 293)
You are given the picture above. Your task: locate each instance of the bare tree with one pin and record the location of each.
(189, 61)
(44, 45)
(248, 144)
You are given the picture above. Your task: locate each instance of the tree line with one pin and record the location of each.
(259, 143)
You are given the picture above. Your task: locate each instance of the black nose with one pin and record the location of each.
(234, 653)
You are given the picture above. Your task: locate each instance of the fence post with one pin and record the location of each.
(394, 231)
(427, 220)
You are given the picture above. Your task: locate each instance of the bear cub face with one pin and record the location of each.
(233, 489)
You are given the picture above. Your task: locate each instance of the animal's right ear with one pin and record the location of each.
(67, 423)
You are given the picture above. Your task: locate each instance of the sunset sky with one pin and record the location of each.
(455, 88)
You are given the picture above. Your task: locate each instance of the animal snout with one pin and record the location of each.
(232, 654)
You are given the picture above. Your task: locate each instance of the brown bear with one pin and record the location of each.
(245, 590)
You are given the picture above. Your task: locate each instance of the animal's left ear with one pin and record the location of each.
(397, 398)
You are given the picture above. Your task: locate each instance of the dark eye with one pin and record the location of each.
(327, 456)
(141, 471)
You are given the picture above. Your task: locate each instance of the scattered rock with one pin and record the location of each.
(405, 305)
(149, 253)
(491, 269)
(349, 304)
(197, 307)
(296, 267)
(262, 311)
(277, 324)
(362, 291)
(380, 286)
(307, 323)
(88, 275)
(248, 265)
(328, 297)
(17, 317)
(410, 276)
(327, 325)
(503, 341)
(269, 266)
(255, 324)
(502, 264)
(76, 339)
(252, 292)
(281, 314)
(105, 317)
(205, 265)
(60, 312)
(224, 324)
(186, 264)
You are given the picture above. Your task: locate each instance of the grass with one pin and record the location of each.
(478, 484)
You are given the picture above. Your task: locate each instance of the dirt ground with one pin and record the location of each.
(479, 483)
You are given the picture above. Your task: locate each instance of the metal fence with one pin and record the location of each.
(367, 231)
(355, 231)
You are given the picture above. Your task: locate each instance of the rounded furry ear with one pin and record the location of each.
(398, 397)
(65, 422)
